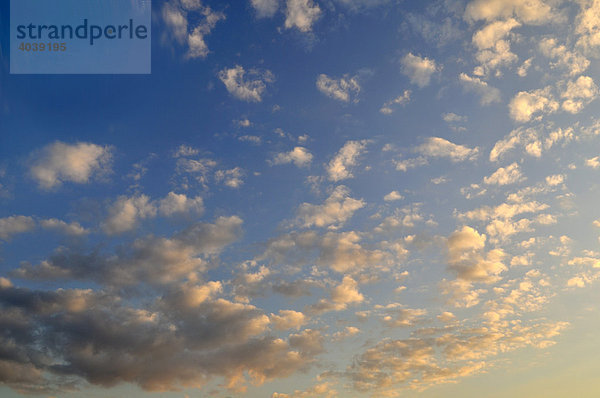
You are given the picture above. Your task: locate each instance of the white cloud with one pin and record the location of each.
(575, 63)
(343, 89)
(403, 99)
(451, 117)
(341, 296)
(594, 162)
(60, 162)
(588, 26)
(578, 94)
(300, 156)
(487, 93)
(125, 213)
(418, 69)
(527, 11)
(265, 8)
(493, 50)
(339, 167)
(505, 175)
(71, 229)
(13, 225)
(437, 147)
(177, 15)
(288, 319)
(526, 104)
(337, 209)
(301, 14)
(180, 204)
(245, 89)
(392, 196)
(467, 258)
(233, 178)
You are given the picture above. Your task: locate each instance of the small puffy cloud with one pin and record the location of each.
(528, 11)
(125, 213)
(265, 8)
(493, 47)
(60, 162)
(337, 209)
(396, 316)
(343, 89)
(588, 27)
(554, 180)
(246, 87)
(288, 319)
(451, 117)
(505, 175)
(487, 93)
(490, 34)
(231, 178)
(574, 62)
(578, 94)
(339, 167)
(392, 196)
(188, 22)
(341, 296)
(71, 229)
(180, 204)
(437, 147)
(403, 99)
(301, 14)
(526, 104)
(594, 162)
(13, 225)
(467, 258)
(418, 69)
(300, 156)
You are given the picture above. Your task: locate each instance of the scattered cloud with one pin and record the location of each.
(246, 87)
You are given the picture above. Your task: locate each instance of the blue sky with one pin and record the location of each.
(309, 198)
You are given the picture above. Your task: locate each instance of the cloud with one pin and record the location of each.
(574, 62)
(493, 50)
(578, 94)
(419, 69)
(505, 175)
(13, 225)
(392, 196)
(189, 22)
(525, 104)
(588, 27)
(180, 204)
(250, 90)
(265, 8)
(231, 178)
(487, 93)
(337, 209)
(532, 139)
(341, 296)
(71, 229)
(60, 162)
(533, 12)
(403, 99)
(467, 258)
(288, 319)
(99, 338)
(300, 156)
(343, 89)
(339, 167)
(301, 14)
(125, 213)
(437, 147)
(150, 259)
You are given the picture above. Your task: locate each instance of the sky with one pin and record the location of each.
(310, 198)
